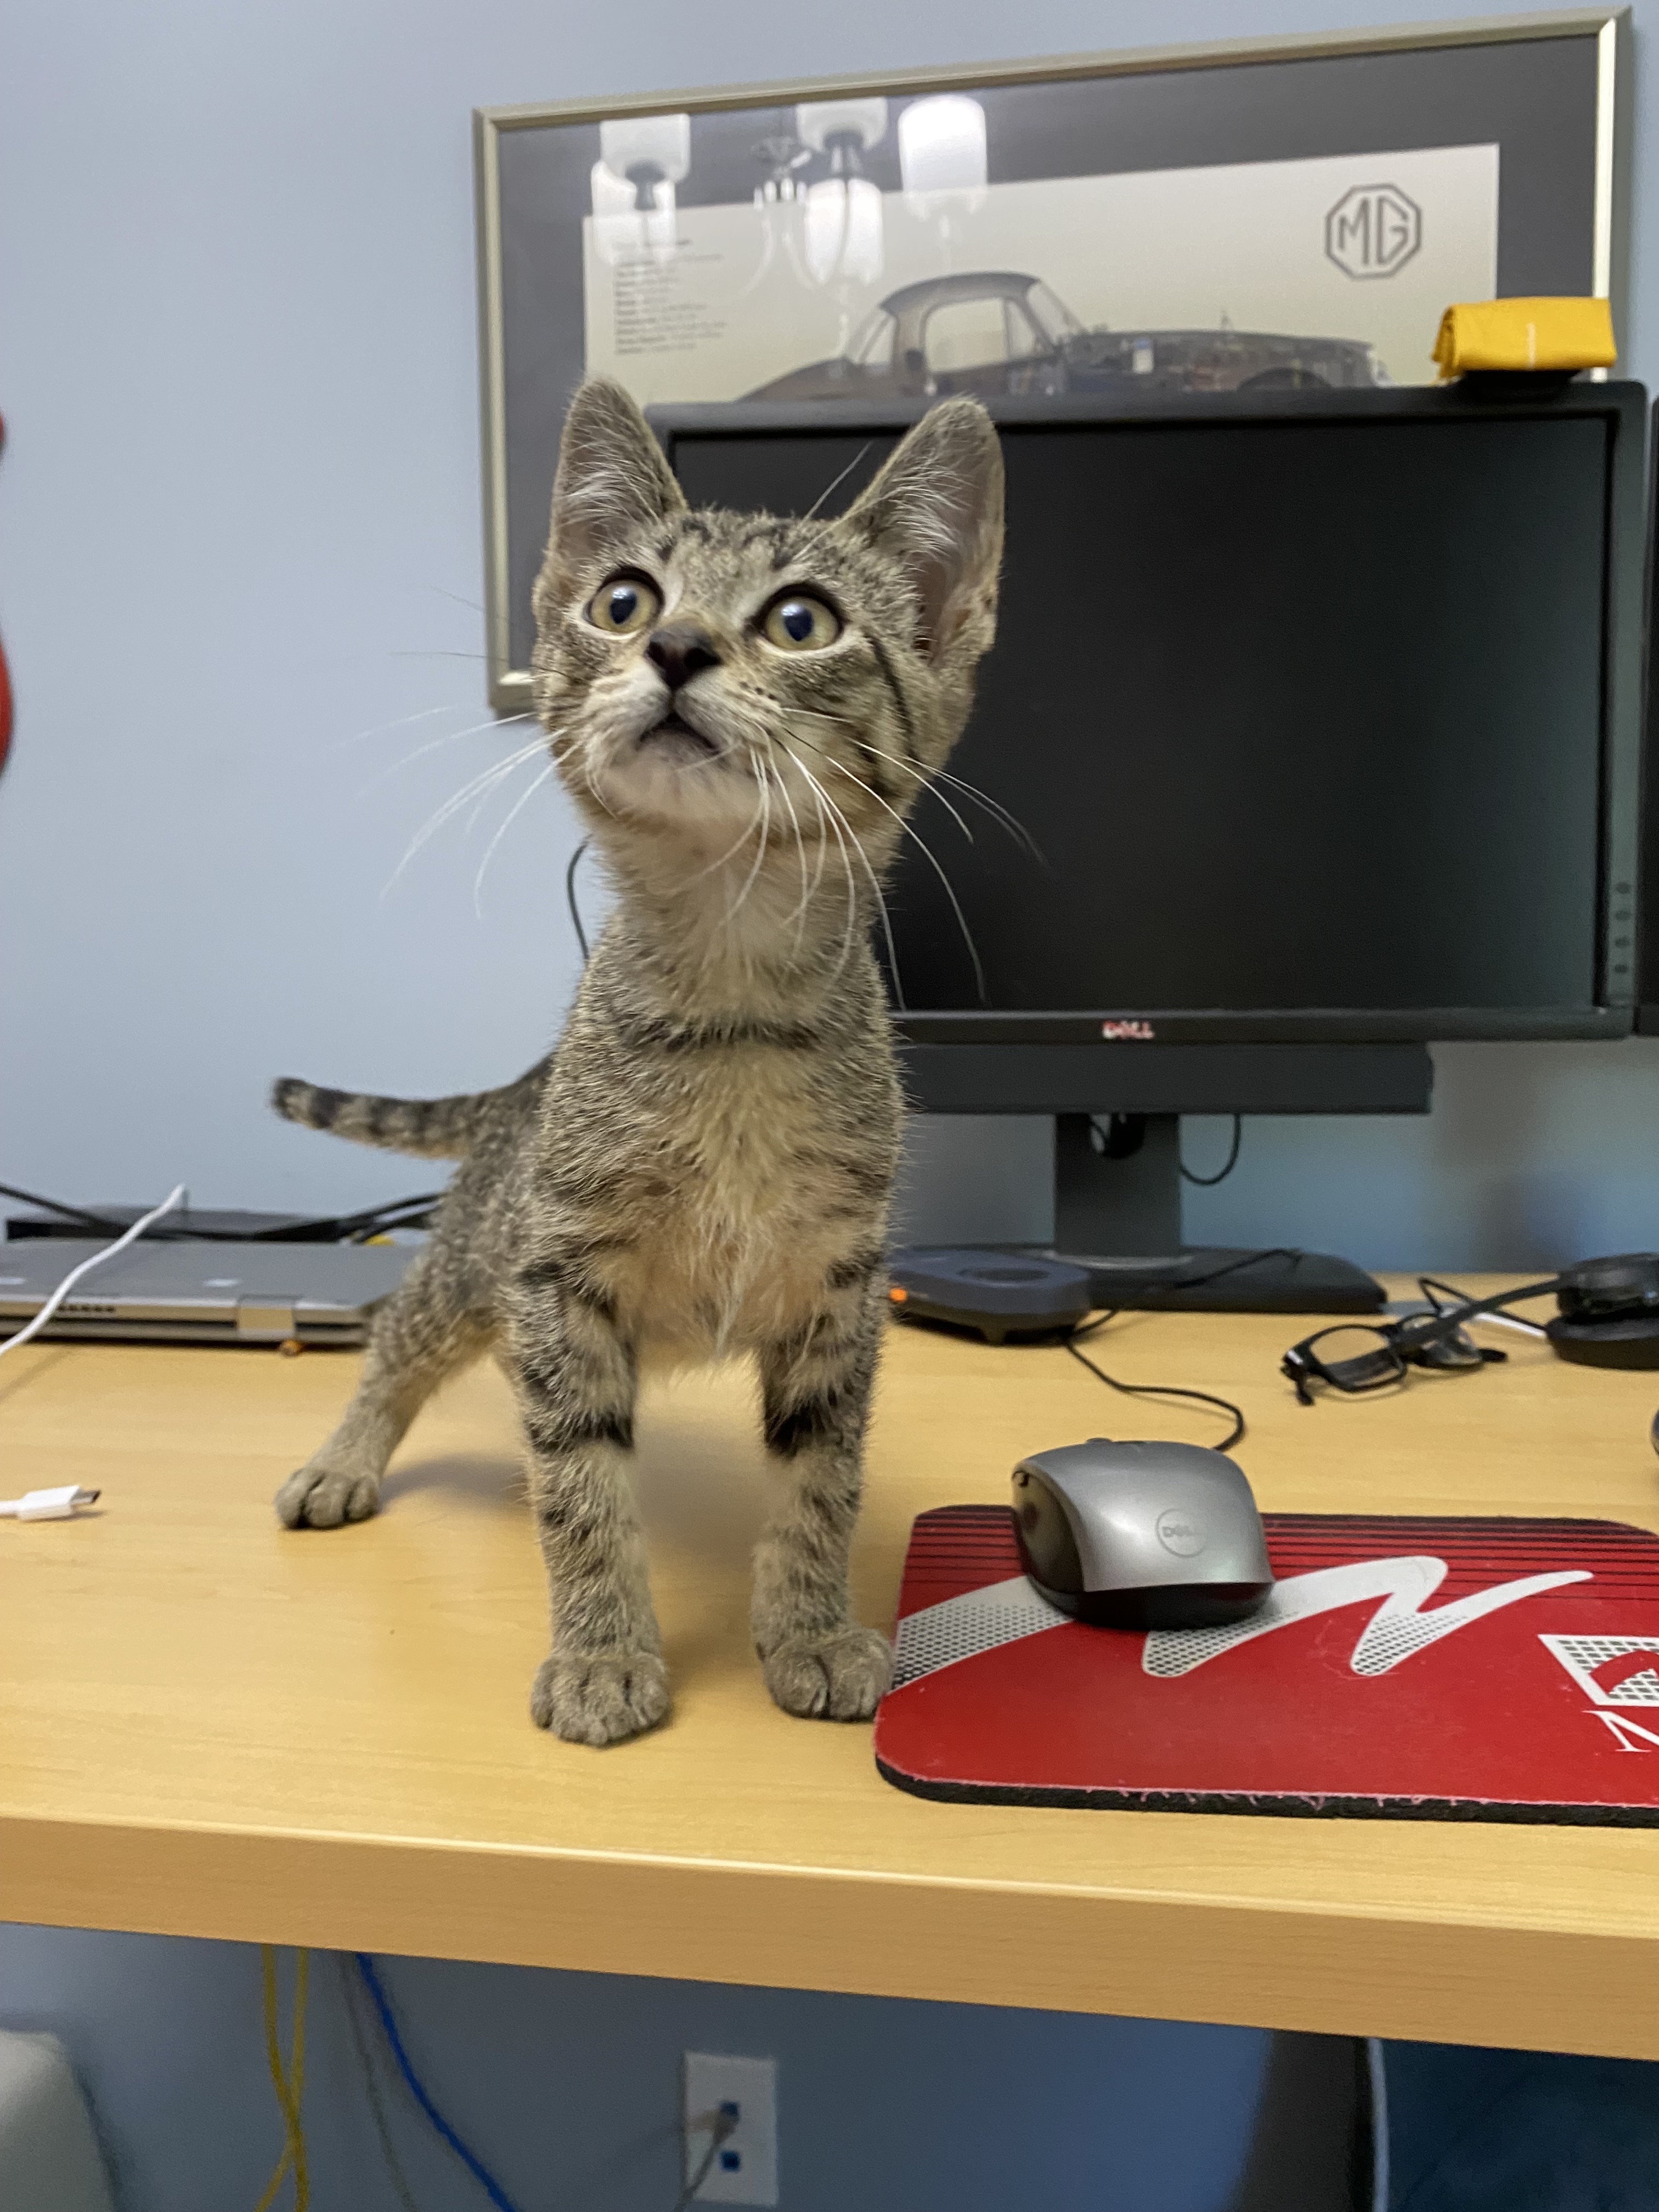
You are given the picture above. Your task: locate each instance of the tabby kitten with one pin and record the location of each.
(743, 709)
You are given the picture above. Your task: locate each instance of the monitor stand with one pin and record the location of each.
(1117, 1213)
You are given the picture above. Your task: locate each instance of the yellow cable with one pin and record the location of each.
(288, 2082)
(279, 2080)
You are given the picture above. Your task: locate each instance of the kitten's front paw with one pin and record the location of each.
(322, 1498)
(599, 1697)
(839, 1677)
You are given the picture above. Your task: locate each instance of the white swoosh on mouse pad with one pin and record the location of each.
(1398, 1628)
(961, 1627)
(1002, 1612)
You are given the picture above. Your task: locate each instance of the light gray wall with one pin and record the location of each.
(239, 558)
(240, 555)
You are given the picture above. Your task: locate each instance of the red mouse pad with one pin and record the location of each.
(1402, 1668)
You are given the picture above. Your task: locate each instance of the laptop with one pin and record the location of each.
(168, 1293)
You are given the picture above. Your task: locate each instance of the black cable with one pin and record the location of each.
(356, 1228)
(1430, 1283)
(1181, 1283)
(570, 897)
(1158, 1390)
(341, 1228)
(65, 1212)
(1173, 1389)
(1209, 1183)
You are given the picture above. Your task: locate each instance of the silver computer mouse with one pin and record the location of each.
(1141, 1535)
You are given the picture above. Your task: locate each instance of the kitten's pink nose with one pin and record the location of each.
(679, 651)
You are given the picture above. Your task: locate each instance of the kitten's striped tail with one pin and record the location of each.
(432, 1129)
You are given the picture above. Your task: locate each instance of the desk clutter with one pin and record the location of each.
(1403, 1667)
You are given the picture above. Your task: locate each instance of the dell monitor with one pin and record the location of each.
(1310, 736)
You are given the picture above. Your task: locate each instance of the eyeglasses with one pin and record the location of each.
(1355, 1357)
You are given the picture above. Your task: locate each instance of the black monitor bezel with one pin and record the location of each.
(1646, 910)
(1623, 407)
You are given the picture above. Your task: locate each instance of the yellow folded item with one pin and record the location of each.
(1526, 334)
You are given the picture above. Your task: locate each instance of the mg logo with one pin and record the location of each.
(1373, 230)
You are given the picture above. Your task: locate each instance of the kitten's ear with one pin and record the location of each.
(613, 485)
(936, 508)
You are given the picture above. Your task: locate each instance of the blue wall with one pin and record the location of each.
(568, 2085)
(239, 570)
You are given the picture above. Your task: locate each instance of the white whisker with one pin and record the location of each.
(929, 778)
(517, 808)
(934, 863)
(731, 851)
(917, 839)
(489, 792)
(797, 913)
(382, 729)
(432, 744)
(829, 817)
(875, 881)
(474, 785)
(875, 752)
(764, 782)
(830, 489)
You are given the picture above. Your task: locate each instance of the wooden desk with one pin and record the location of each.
(210, 1726)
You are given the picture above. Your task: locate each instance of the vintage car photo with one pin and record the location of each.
(996, 331)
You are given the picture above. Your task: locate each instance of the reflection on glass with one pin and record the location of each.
(641, 159)
(843, 218)
(844, 231)
(842, 129)
(942, 155)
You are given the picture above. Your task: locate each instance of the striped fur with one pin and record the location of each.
(703, 1166)
(430, 1128)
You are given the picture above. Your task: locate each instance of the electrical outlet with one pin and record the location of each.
(745, 2168)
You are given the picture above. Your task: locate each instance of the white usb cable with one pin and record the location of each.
(47, 1505)
(60, 1503)
(130, 1236)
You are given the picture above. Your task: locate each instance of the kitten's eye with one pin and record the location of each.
(799, 623)
(623, 605)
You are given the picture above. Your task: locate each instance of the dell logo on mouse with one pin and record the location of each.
(1182, 1533)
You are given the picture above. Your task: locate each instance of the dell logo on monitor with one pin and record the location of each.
(1127, 1032)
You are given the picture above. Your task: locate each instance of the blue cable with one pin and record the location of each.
(480, 2173)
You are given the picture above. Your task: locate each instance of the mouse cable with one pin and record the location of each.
(1156, 1389)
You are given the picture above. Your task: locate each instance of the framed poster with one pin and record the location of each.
(1271, 213)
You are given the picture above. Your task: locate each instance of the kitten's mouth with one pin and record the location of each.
(676, 736)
